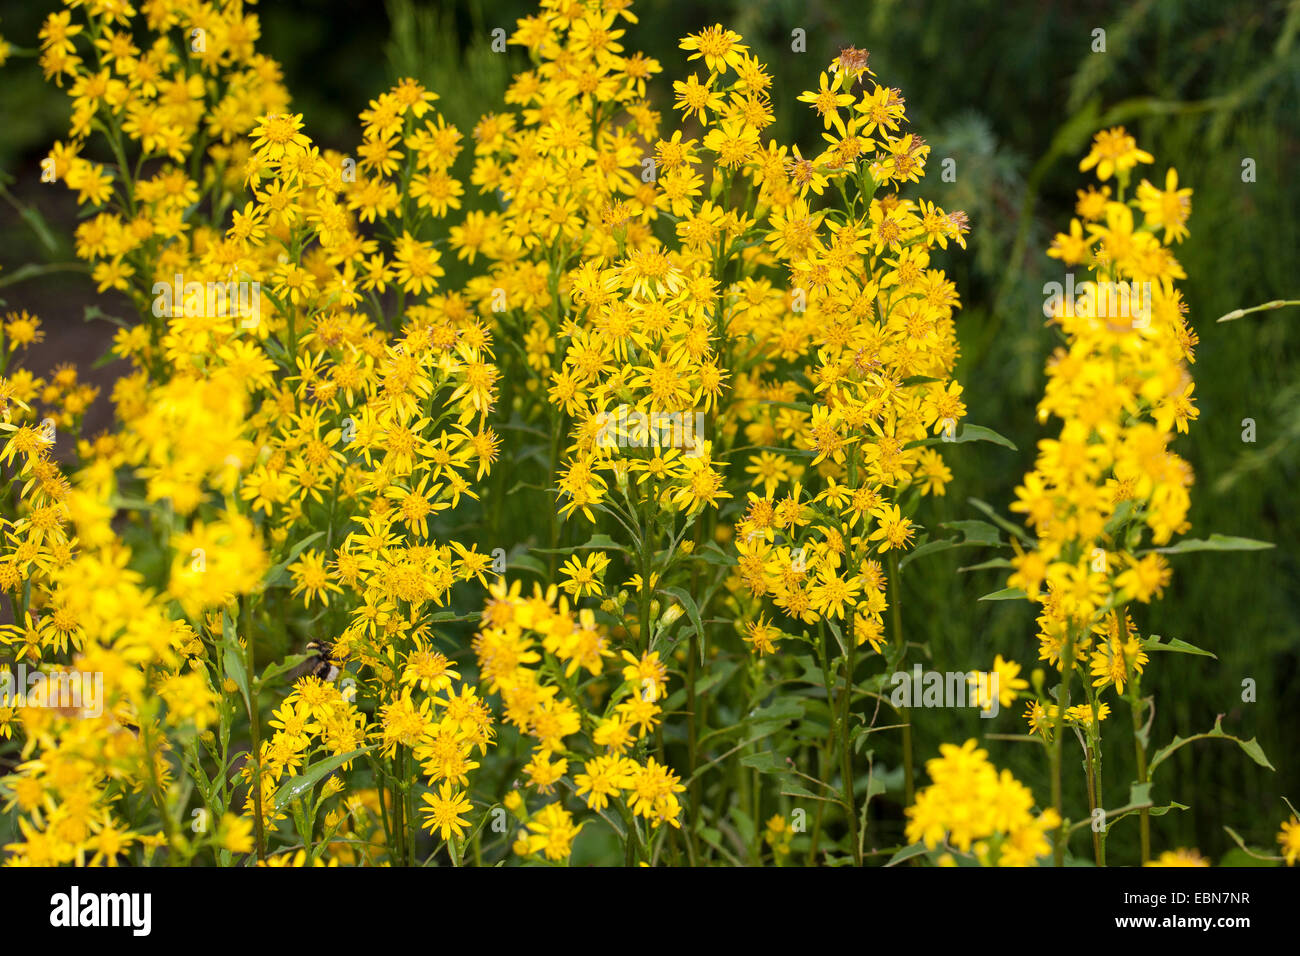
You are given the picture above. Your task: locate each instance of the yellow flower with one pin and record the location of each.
(893, 531)
(1168, 209)
(1114, 150)
(235, 834)
(552, 832)
(445, 812)
(720, 48)
(584, 576)
(1003, 681)
(277, 134)
(827, 101)
(1289, 838)
(1179, 857)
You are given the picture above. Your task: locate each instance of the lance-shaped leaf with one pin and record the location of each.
(1006, 594)
(1251, 746)
(596, 541)
(694, 612)
(1215, 542)
(1156, 643)
(300, 785)
(967, 433)
(232, 656)
(276, 576)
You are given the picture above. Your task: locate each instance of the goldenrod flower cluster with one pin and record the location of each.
(532, 652)
(283, 436)
(1121, 388)
(840, 401)
(972, 808)
(1108, 482)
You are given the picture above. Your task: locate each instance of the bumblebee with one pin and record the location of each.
(322, 663)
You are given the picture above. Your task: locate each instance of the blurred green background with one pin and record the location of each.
(1013, 92)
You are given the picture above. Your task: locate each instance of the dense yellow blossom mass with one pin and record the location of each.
(722, 365)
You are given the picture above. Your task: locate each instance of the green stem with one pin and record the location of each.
(692, 702)
(34, 271)
(905, 713)
(552, 475)
(1058, 751)
(255, 739)
(1140, 752)
(1093, 797)
(846, 744)
(646, 591)
(1267, 306)
(156, 790)
(408, 794)
(827, 748)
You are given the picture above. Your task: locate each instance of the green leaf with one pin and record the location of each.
(714, 677)
(793, 406)
(469, 837)
(987, 565)
(526, 562)
(443, 617)
(906, 853)
(715, 555)
(1254, 751)
(1248, 851)
(713, 838)
(233, 659)
(597, 541)
(94, 312)
(301, 785)
(1216, 542)
(929, 547)
(108, 358)
(36, 222)
(1009, 526)
(980, 433)
(118, 503)
(1139, 799)
(694, 612)
(839, 636)
(601, 541)
(769, 720)
(744, 824)
(274, 576)
(812, 672)
(1006, 594)
(967, 433)
(1251, 746)
(764, 762)
(525, 486)
(275, 670)
(876, 787)
(975, 532)
(1153, 643)
(1120, 515)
